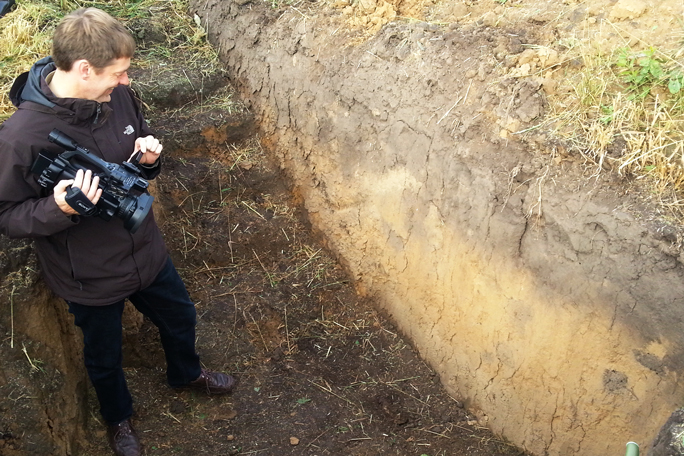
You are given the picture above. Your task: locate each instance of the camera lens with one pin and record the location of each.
(133, 210)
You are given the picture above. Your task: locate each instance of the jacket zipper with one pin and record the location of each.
(97, 114)
(71, 263)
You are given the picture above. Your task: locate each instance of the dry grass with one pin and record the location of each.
(27, 33)
(620, 117)
(26, 36)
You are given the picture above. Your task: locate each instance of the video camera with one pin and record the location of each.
(123, 190)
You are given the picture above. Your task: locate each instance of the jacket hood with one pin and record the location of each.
(27, 86)
(32, 86)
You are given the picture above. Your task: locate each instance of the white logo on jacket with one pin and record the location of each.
(129, 130)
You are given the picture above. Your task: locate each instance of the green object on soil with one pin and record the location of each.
(632, 449)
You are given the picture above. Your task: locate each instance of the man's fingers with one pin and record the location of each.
(154, 148)
(88, 184)
(96, 197)
(90, 188)
(62, 185)
(86, 181)
(150, 148)
(151, 144)
(78, 179)
(93, 187)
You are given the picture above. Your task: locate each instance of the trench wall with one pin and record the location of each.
(43, 384)
(540, 300)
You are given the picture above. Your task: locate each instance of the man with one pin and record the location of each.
(92, 263)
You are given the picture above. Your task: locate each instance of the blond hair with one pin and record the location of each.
(93, 35)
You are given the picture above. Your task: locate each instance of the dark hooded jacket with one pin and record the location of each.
(86, 260)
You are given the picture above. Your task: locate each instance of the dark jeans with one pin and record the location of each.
(167, 304)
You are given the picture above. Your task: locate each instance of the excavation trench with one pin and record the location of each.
(321, 370)
(548, 305)
(537, 295)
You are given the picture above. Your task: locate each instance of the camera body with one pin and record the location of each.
(124, 192)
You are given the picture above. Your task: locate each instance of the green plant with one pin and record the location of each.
(640, 71)
(623, 111)
(608, 114)
(676, 81)
(645, 70)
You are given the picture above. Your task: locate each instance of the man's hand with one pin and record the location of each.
(88, 185)
(150, 148)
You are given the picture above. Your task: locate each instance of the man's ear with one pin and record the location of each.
(83, 68)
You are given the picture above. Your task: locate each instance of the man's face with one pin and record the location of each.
(99, 85)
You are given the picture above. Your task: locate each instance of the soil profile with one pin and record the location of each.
(285, 268)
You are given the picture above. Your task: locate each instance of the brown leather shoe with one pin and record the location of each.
(213, 382)
(123, 439)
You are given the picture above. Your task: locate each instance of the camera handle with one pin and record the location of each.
(74, 150)
(128, 174)
(80, 202)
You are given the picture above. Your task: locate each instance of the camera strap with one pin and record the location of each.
(79, 201)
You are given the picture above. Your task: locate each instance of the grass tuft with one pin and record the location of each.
(27, 35)
(623, 111)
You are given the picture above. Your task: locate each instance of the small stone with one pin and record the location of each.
(527, 56)
(489, 19)
(628, 9)
(294, 441)
(549, 85)
(459, 10)
(230, 438)
(177, 407)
